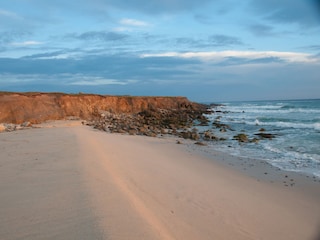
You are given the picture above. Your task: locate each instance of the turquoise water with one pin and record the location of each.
(296, 124)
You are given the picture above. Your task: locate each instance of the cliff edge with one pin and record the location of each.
(39, 107)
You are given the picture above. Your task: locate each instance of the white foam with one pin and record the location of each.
(296, 146)
(266, 109)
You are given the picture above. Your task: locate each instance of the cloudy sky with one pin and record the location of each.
(207, 50)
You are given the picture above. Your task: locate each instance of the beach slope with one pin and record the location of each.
(80, 183)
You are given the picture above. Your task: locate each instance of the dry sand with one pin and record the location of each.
(78, 183)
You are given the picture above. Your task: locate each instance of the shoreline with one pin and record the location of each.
(206, 149)
(161, 190)
(262, 171)
(258, 169)
(283, 133)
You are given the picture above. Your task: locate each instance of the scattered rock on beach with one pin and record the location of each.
(209, 136)
(263, 135)
(200, 143)
(10, 127)
(152, 122)
(254, 140)
(26, 124)
(241, 137)
(221, 126)
(190, 135)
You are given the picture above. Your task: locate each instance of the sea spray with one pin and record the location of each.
(296, 125)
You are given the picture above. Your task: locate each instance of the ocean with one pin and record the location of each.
(294, 123)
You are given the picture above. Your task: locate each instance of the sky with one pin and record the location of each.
(206, 50)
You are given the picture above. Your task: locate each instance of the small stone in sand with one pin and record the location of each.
(200, 143)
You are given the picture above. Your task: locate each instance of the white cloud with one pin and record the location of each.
(8, 14)
(133, 22)
(253, 55)
(7, 78)
(63, 79)
(87, 81)
(26, 43)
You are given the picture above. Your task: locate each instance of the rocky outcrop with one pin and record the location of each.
(151, 122)
(38, 107)
(241, 137)
(9, 127)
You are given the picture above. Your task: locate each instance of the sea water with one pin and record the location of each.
(295, 124)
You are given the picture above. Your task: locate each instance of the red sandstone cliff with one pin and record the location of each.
(39, 107)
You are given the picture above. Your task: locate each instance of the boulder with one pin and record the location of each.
(164, 131)
(207, 135)
(263, 135)
(10, 127)
(241, 137)
(26, 124)
(132, 132)
(254, 140)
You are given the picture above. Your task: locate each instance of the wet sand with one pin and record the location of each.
(75, 182)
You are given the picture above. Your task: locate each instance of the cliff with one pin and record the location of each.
(39, 107)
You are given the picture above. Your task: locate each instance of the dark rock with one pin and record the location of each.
(190, 135)
(254, 140)
(203, 124)
(241, 137)
(207, 135)
(151, 134)
(265, 135)
(132, 132)
(26, 124)
(223, 127)
(195, 136)
(10, 127)
(120, 131)
(200, 143)
(152, 122)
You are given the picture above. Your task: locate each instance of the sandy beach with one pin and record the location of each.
(68, 181)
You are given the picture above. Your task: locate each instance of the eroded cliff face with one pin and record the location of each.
(39, 107)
